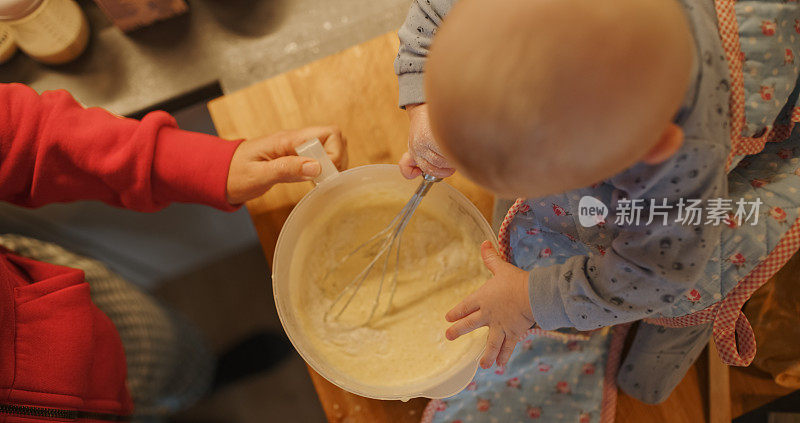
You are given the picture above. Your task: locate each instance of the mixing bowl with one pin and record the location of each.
(293, 245)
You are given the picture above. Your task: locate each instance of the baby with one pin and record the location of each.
(634, 103)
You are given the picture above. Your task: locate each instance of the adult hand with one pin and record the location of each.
(259, 164)
(423, 155)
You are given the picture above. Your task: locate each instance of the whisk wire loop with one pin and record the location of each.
(387, 241)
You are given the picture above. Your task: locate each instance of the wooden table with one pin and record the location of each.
(357, 90)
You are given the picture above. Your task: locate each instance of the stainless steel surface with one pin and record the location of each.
(384, 242)
(235, 42)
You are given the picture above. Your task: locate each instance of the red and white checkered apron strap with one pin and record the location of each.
(729, 35)
(613, 361)
(697, 318)
(430, 411)
(504, 238)
(732, 332)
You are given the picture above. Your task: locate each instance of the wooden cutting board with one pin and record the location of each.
(356, 90)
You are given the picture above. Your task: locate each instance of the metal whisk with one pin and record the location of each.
(386, 243)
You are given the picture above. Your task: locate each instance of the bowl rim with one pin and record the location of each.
(417, 389)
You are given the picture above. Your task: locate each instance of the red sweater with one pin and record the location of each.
(57, 350)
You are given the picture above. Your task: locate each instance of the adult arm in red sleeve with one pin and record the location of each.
(54, 150)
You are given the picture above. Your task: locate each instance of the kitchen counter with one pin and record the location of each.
(234, 43)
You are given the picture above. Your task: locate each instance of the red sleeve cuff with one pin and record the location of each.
(190, 167)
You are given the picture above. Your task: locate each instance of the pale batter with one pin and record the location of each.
(439, 265)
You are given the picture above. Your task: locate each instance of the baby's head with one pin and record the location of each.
(537, 97)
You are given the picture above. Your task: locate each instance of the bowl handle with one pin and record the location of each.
(313, 149)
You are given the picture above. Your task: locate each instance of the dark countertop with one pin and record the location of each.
(231, 42)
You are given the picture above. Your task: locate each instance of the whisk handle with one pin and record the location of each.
(430, 178)
(426, 184)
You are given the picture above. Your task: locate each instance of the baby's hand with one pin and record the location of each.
(502, 303)
(423, 153)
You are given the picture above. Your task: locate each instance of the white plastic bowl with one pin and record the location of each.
(443, 199)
